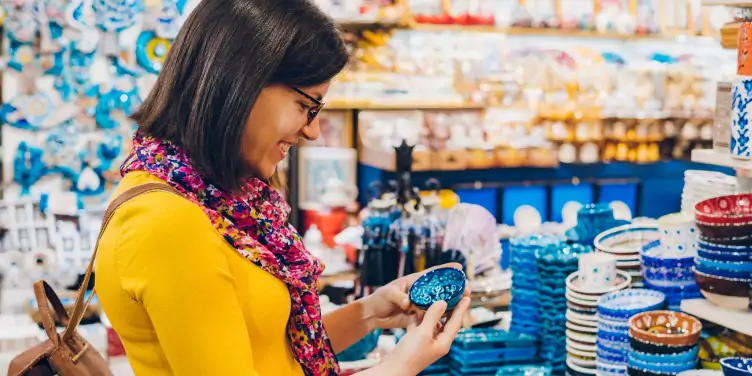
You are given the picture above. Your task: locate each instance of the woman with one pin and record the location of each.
(213, 281)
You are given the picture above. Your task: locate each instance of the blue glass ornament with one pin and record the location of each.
(28, 167)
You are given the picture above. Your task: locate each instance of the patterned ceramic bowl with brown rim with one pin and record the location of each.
(665, 327)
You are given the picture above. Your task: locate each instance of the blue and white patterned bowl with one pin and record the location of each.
(682, 357)
(715, 255)
(610, 369)
(736, 366)
(623, 304)
(447, 284)
(735, 266)
(664, 368)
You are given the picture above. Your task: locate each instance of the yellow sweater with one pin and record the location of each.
(182, 300)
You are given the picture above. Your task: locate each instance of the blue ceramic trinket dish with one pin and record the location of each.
(736, 366)
(447, 284)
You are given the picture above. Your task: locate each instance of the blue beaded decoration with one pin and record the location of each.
(447, 284)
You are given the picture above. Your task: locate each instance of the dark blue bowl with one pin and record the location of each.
(717, 255)
(705, 268)
(656, 262)
(736, 366)
(447, 284)
(735, 266)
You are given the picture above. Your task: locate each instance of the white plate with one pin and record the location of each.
(574, 316)
(527, 217)
(581, 337)
(576, 368)
(621, 210)
(582, 302)
(623, 279)
(582, 362)
(581, 328)
(587, 354)
(581, 346)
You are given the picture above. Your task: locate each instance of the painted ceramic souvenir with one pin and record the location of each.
(151, 51)
(28, 167)
(27, 111)
(447, 284)
(22, 23)
(80, 28)
(114, 16)
(52, 49)
(117, 103)
(741, 117)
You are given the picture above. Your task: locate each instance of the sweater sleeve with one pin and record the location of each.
(169, 263)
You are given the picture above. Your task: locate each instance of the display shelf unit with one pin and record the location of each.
(729, 3)
(735, 320)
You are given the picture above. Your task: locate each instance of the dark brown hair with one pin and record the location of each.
(225, 53)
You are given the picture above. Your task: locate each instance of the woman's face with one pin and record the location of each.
(278, 120)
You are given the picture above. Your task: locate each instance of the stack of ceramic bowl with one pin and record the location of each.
(663, 343)
(555, 264)
(702, 185)
(524, 304)
(723, 267)
(667, 265)
(614, 311)
(593, 219)
(597, 275)
(737, 366)
(625, 243)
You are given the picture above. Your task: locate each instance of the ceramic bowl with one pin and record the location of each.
(624, 304)
(663, 368)
(632, 371)
(653, 255)
(711, 245)
(725, 209)
(724, 256)
(628, 239)
(623, 279)
(665, 327)
(724, 230)
(732, 266)
(736, 366)
(610, 369)
(447, 284)
(701, 372)
(682, 357)
(657, 348)
(703, 267)
(360, 349)
(725, 292)
(739, 241)
(523, 370)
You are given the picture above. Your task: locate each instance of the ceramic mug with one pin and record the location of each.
(741, 118)
(597, 270)
(678, 234)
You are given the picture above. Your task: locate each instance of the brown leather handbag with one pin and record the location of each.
(68, 354)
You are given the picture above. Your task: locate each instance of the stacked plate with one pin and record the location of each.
(614, 311)
(582, 322)
(663, 343)
(484, 351)
(625, 243)
(524, 304)
(702, 185)
(555, 264)
(671, 276)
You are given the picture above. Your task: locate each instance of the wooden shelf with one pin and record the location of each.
(731, 3)
(406, 105)
(720, 158)
(523, 31)
(735, 320)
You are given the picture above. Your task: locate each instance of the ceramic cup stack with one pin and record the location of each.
(524, 305)
(701, 185)
(596, 275)
(614, 311)
(663, 343)
(723, 267)
(667, 265)
(555, 264)
(625, 244)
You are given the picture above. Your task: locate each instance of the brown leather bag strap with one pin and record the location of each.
(80, 307)
(45, 296)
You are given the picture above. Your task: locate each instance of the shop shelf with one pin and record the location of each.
(734, 320)
(719, 158)
(731, 3)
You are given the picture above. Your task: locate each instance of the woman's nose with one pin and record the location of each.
(311, 131)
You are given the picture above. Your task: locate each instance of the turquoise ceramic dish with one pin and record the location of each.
(447, 284)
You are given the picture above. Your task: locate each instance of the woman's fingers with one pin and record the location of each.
(433, 316)
(446, 337)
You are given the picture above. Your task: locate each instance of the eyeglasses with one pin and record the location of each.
(314, 110)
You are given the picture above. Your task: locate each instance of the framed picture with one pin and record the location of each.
(335, 130)
(317, 166)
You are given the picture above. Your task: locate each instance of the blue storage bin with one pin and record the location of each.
(625, 192)
(485, 197)
(516, 196)
(563, 193)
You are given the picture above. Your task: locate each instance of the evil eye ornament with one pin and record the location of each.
(27, 111)
(151, 51)
(28, 167)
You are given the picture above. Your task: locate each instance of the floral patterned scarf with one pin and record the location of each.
(255, 224)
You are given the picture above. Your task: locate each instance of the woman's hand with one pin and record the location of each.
(389, 307)
(423, 344)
